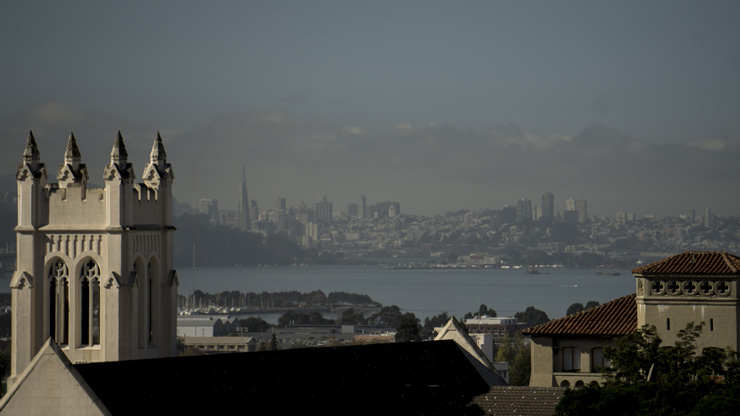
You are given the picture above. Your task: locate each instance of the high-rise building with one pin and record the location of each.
(582, 208)
(210, 208)
(394, 209)
(570, 204)
(94, 266)
(524, 210)
(323, 211)
(280, 204)
(362, 207)
(254, 210)
(352, 210)
(243, 219)
(548, 206)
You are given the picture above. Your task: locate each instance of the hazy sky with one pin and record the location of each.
(631, 105)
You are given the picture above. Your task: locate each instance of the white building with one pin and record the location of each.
(94, 265)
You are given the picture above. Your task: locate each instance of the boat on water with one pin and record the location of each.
(608, 273)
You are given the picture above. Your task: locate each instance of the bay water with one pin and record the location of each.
(425, 292)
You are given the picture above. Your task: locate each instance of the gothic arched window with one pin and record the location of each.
(150, 287)
(90, 303)
(59, 302)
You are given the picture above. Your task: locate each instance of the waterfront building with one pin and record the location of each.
(94, 265)
(220, 345)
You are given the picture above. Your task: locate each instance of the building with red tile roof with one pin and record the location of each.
(694, 286)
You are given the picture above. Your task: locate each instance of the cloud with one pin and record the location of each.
(429, 169)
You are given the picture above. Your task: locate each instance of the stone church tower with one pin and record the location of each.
(94, 265)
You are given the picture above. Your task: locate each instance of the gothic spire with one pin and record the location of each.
(31, 153)
(158, 155)
(118, 154)
(72, 153)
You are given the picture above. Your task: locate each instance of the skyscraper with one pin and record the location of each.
(548, 206)
(362, 207)
(582, 208)
(323, 210)
(524, 210)
(243, 220)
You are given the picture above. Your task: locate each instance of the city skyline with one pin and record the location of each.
(444, 107)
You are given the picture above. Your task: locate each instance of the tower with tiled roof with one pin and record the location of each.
(695, 286)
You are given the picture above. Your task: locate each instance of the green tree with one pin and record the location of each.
(253, 324)
(408, 328)
(350, 317)
(532, 316)
(513, 351)
(436, 321)
(273, 342)
(591, 304)
(646, 378)
(388, 316)
(574, 308)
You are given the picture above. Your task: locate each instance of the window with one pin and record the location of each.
(571, 359)
(90, 303)
(59, 302)
(150, 287)
(598, 361)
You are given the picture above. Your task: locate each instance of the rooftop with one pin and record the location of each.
(693, 263)
(614, 318)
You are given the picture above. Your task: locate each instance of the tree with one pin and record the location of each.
(532, 316)
(408, 328)
(646, 378)
(436, 321)
(273, 342)
(389, 316)
(483, 310)
(591, 304)
(513, 351)
(253, 324)
(574, 308)
(350, 317)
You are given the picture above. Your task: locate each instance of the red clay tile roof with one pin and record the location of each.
(693, 263)
(614, 318)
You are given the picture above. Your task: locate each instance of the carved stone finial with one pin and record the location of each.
(72, 153)
(158, 155)
(119, 154)
(31, 152)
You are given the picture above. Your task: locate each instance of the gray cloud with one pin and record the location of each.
(429, 169)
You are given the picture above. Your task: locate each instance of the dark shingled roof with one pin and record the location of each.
(520, 401)
(398, 378)
(615, 318)
(693, 263)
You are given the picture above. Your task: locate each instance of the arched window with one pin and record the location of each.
(90, 303)
(571, 359)
(598, 361)
(59, 302)
(150, 287)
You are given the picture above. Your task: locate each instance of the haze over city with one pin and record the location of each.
(436, 105)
